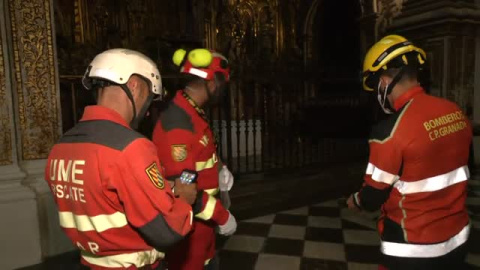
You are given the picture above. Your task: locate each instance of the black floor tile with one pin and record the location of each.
(237, 260)
(475, 209)
(324, 235)
(253, 229)
(317, 264)
(324, 211)
(474, 241)
(354, 226)
(285, 219)
(283, 246)
(363, 254)
(220, 242)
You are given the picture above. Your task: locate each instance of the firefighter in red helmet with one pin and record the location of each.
(185, 141)
(417, 171)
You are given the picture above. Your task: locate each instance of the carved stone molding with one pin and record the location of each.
(5, 124)
(387, 10)
(34, 69)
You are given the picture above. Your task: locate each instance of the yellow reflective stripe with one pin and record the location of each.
(207, 212)
(86, 223)
(212, 191)
(207, 262)
(203, 165)
(138, 259)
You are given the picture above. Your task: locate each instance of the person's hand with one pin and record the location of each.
(229, 227)
(225, 179)
(186, 192)
(351, 204)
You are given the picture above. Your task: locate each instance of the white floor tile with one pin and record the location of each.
(324, 222)
(287, 232)
(264, 219)
(277, 262)
(244, 243)
(322, 250)
(359, 218)
(369, 238)
(302, 211)
(473, 259)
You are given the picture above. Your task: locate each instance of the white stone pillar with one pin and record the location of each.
(29, 125)
(19, 228)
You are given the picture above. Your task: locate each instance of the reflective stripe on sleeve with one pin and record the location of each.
(381, 176)
(435, 183)
(208, 164)
(425, 251)
(85, 223)
(207, 212)
(212, 191)
(138, 259)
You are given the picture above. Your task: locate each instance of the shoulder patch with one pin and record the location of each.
(179, 152)
(174, 117)
(384, 130)
(154, 174)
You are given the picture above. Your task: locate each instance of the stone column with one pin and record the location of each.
(18, 223)
(29, 102)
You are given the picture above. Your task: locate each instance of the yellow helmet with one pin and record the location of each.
(389, 52)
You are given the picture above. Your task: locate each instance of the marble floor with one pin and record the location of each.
(320, 236)
(314, 237)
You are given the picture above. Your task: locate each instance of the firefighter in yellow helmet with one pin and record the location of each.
(417, 171)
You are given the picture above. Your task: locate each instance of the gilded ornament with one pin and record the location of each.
(35, 76)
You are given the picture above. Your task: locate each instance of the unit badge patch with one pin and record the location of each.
(179, 152)
(154, 174)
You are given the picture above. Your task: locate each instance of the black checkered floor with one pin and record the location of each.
(322, 236)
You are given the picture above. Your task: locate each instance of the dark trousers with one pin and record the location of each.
(455, 260)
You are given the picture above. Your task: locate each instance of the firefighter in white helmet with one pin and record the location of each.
(105, 177)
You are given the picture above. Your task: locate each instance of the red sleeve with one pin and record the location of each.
(382, 172)
(384, 163)
(148, 200)
(212, 209)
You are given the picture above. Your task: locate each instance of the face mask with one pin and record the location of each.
(383, 100)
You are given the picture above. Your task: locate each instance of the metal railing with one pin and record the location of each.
(266, 127)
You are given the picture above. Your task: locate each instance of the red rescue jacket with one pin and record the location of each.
(112, 199)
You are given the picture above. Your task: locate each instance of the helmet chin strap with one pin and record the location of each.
(137, 119)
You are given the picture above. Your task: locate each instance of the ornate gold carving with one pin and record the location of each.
(387, 10)
(35, 76)
(5, 133)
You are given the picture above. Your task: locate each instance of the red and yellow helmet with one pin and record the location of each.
(202, 63)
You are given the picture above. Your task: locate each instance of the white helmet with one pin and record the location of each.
(117, 65)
